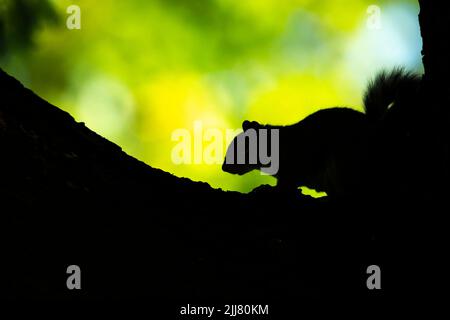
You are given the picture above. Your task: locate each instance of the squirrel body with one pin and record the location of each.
(330, 150)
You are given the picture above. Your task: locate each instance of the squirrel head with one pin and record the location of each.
(241, 156)
(246, 125)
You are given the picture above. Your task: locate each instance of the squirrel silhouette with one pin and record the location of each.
(331, 150)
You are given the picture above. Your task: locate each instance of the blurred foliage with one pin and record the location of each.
(140, 69)
(18, 21)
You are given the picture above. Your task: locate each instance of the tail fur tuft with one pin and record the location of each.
(385, 88)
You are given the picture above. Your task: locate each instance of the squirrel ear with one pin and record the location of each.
(249, 125)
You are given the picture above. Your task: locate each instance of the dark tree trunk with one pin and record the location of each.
(434, 26)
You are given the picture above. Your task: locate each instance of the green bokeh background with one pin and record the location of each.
(138, 70)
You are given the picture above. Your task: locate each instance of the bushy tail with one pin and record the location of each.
(386, 88)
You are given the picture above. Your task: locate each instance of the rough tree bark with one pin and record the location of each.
(69, 196)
